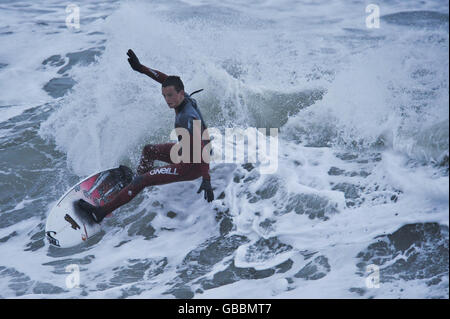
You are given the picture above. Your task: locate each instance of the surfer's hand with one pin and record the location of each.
(134, 61)
(206, 186)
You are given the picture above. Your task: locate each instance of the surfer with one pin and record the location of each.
(186, 111)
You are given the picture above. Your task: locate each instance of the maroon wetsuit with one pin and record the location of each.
(149, 175)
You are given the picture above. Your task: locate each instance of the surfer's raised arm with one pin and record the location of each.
(137, 66)
(186, 111)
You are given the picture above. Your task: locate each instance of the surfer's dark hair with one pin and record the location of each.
(175, 81)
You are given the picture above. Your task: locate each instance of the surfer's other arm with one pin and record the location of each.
(156, 75)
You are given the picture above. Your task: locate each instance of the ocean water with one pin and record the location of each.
(359, 204)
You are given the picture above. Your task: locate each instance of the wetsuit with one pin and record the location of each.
(148, 175)
(186, 113)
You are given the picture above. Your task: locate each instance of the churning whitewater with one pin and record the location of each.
(358, 206)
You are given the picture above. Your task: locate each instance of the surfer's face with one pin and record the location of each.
(172, 97)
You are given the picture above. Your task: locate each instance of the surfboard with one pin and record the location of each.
(66, 224)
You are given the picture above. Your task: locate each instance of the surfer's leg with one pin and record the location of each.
(158, 176)
(152, 152)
